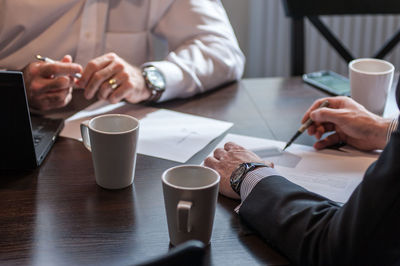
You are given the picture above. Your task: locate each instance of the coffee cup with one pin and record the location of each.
(370, 82)
(190, 197)
(112, 139)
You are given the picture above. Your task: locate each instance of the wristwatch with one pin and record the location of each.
(155, 82)
(240, 172)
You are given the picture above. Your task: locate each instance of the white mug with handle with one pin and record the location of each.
(190, 197)
(112, 139)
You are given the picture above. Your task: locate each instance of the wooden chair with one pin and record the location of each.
(298, 10)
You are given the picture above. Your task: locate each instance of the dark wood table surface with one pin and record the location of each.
(57, 215)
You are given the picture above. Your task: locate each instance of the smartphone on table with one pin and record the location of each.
(329, 81)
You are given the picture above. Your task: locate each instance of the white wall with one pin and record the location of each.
(263, 33)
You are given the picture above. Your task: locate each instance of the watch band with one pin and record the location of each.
(240, 173)
(154, 96)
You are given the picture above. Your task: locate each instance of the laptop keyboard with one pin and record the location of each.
(42, 127)
(37, 139)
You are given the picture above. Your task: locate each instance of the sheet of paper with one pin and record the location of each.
(162, 133)
(72, 124)
(331, 173)
(177, 136)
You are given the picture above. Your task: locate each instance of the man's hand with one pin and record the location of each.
(128, 79)
(49, 85)
(350, 122)
(226, 160)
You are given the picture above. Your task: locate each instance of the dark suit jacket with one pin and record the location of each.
(312, 230)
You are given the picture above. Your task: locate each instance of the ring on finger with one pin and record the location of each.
(113, 83)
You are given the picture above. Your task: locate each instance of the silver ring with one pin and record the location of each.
(113, 83)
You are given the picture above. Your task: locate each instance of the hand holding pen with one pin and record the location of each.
(49, 85)
(304, 126)
(347, 122)
(49, 60)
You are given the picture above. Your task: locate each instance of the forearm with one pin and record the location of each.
(204, 52)
(312, 230)
(289, 217)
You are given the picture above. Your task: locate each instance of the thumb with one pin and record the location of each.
(328, 115)
(67, 59)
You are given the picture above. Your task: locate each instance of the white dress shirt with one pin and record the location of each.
(202, 49)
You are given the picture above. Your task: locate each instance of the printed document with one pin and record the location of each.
(331, 173)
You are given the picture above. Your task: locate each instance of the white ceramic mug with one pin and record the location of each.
(190, 196)
(370, 82)
(112, 139)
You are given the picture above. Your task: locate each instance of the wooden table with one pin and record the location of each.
(57, 215)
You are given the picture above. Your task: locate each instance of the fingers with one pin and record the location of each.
(314, 106)
(219, 153)
(334, 103)
(318, 129)
(67, 59)
(52, 99)
(232, 146)
(93, 66)
(133, 88)
(50, 70)
(104, 72)
(106, 88)
(324, 115)
(43, 85)
(328, 141)
(122, 92)
(129, 83)
(211, 162)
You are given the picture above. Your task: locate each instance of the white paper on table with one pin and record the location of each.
(72, 124)
(162, 133)
(177, 136)
(331, 173)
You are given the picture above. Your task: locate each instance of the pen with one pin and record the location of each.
(304, 126)
(49, 60)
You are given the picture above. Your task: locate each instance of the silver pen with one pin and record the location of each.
(304, 126)
(49, 60)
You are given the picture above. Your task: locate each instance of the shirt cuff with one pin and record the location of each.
(174, 79)
(251, 180)
(392, 127)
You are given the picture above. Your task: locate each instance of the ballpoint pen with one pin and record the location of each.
(304, 126)
(49, 60)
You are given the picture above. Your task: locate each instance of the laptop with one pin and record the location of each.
(26, 139)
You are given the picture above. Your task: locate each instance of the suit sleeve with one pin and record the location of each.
(204, 52)
(312, 230)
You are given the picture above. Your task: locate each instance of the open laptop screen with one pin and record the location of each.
(16, 134)
(26, 139)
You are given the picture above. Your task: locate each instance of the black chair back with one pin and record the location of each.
(312, 9)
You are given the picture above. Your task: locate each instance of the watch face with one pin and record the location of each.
(156, 79)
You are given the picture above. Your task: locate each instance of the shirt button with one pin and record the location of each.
(88, 35)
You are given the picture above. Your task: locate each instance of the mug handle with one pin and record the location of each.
(183, 219)
(85, 134)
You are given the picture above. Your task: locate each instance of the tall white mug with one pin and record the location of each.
(190, 196)
(370, 82)
(112, 139)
